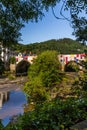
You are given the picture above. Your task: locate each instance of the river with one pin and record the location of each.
(12, 101)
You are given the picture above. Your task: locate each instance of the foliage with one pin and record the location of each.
(80, 86)
(11, 77)
(12, 60)
(12, 18)
(43, 74)
(63, 46)
(47, 67)
(54, 115)
(72, 67)
(57, 114)
(1, 126)
(83, 82)
(84, 63)
(80, 29)
(2, 68)
(35, 90)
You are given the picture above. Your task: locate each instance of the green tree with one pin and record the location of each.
(43, 74)
(13, 14)
(80, 29)
(12, 60)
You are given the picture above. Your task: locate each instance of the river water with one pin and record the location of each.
(11, 103)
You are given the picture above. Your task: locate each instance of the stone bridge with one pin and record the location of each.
(65, 59)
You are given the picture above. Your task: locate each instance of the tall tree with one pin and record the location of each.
(13, 14)
(80, 29)
(43, 74)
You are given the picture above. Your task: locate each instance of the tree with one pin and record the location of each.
(63, 46)
(12, 60)
(80, 29)
(43, 75)
(10, 26)
(13, 14)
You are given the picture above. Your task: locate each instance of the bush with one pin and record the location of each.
(12, 60)
(45, 69)
(54, 115)
(11, 77)
(35, 89)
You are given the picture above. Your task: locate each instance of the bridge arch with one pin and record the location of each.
(22, 67)
(72, 66)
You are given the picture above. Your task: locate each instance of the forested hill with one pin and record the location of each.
(63, 46)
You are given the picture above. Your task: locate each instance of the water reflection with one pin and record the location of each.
(4, 96)
(11, 103)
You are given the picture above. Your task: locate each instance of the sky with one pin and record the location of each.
(46, 29)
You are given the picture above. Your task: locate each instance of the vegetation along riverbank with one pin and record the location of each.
(57, 99)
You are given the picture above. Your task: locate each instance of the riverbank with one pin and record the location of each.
(18, 82)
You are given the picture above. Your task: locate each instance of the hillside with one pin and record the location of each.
(63, 46)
